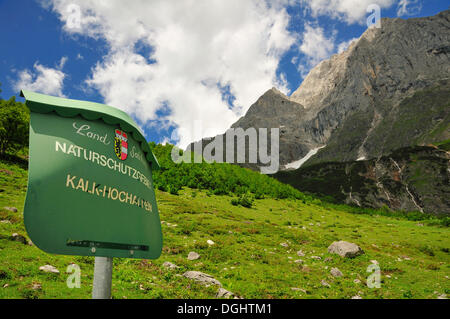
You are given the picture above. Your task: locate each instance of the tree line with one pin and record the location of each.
(218, 179)
(14, 122)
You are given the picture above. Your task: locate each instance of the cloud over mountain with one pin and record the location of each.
(182, 58)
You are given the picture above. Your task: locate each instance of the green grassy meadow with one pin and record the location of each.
(247, 257)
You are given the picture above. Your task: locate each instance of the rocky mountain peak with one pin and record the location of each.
(274, 90)
(351, 101)
(323, 78)
(273, 106)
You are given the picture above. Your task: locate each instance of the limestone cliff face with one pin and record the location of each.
(375, 75)
(322, 80)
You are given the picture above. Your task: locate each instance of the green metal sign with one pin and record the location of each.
(90, 189)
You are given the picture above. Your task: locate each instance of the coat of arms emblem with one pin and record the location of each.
(121, 145)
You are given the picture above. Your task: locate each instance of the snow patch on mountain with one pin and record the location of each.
(297, 164)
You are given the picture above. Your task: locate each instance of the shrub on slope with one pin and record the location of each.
(218, 178)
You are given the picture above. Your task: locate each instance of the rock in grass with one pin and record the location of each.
(36, 286)
(169, 265)
(284, 244)
(336, 272)
(325, 284)
(345, 249)
(223, 293)
(298, 289)
(306, 269)
(356, 297)
(11, 209)
(49, 268)
(202, 278)
(300, 253)
(19, 238)
(193, 256)
(298, 261)
(210, 242)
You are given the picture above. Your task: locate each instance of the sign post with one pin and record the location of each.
(101, 288)
(90, 187)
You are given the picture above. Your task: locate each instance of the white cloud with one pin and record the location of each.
(62, 62)
(42, 79)
(408, 7)
(316, 46)
(195, 48)
(344, 45)
(349, 11)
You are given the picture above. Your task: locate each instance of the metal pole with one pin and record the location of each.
(102, 278)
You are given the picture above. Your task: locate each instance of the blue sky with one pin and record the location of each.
(172, 65)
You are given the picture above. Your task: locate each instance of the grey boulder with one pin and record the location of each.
(345, 249)
(202, 278)
(169, 265)
(223, 293)
(193, 256)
